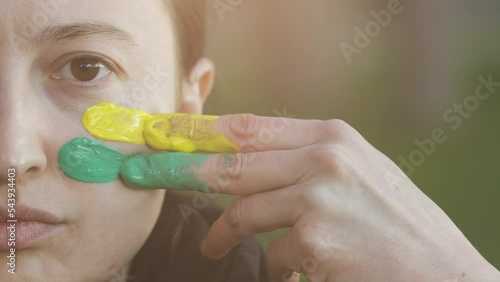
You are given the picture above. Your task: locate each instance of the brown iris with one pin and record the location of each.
(85, 69)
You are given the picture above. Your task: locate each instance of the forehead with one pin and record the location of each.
(147, 21)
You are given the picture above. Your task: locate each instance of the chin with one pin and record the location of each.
(32, 266)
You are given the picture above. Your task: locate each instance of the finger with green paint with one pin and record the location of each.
(175, 171)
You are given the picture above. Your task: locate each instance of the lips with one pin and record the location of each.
(33, 226)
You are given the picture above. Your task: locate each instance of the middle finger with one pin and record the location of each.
(236, 174)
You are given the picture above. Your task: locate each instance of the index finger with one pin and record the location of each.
(189, 133)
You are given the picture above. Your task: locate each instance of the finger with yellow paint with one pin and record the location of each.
(169, 132)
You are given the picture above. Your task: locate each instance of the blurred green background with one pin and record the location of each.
(275, 54)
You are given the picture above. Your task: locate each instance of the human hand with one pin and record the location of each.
(353, 215)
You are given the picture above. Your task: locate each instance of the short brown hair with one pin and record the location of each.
(189, 21)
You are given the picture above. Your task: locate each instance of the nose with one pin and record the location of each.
(20, 143)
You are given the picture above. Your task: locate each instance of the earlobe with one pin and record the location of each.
(197, 89)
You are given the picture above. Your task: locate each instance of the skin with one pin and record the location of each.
(41, 107)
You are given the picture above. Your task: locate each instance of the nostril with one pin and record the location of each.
(25, 171)
(33, 171)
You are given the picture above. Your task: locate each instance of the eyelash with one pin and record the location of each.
(92, 84)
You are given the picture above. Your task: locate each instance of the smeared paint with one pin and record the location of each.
(170, 132)
(186, 133)
(114, 123)
(164, 171)
(91, 161)
(87, 160)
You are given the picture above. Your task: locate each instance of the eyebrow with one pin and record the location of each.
(60, 34)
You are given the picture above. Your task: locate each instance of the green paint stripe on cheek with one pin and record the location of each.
(164, 171)
(90, 161)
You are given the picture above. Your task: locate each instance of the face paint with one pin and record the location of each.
(186, 133)
(90, 161)
(163, 171)
(170, 132)
(114, 123)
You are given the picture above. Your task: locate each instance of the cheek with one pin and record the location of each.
(153, 89)
(115, 204)
(117, 219)
(113, 225)
(121, 218)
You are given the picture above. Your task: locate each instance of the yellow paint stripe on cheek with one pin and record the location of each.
(170, 132)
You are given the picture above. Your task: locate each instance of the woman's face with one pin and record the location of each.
(59, 57)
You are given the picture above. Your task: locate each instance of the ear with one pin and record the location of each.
(196, 89)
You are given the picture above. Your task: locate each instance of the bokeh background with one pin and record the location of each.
(286, 54)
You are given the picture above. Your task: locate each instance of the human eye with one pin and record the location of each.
(84, 70)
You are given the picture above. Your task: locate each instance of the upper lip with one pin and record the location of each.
(26, 213)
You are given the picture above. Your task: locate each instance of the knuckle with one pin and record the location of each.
(319, 250)
(229, 168)
(235, 163)
(326, 158)
(337, 129)
(306, 237)
(235, 216)
(323, 199)
(243, 126)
